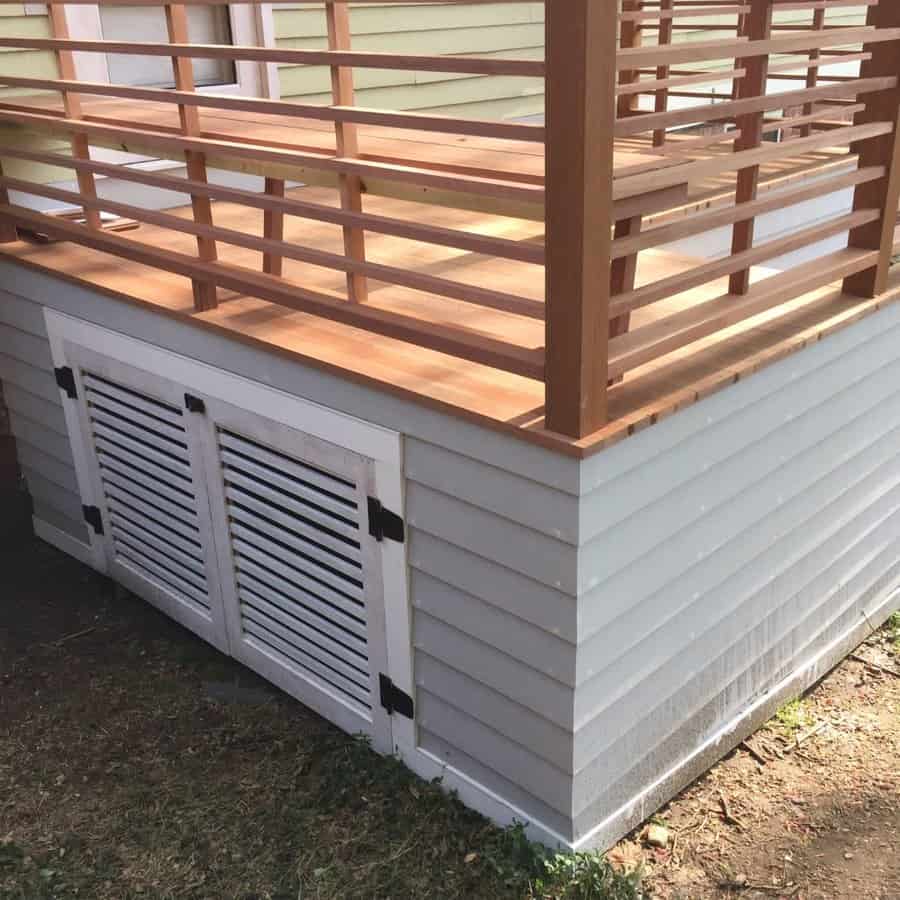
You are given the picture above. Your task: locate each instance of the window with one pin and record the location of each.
(207, 24)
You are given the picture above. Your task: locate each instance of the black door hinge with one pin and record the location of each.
(65, 378)
(93, 518)
(385, 524)
(393, 699)
(194, 404)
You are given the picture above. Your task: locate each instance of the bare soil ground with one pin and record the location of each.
(808, 808)
(137, 762)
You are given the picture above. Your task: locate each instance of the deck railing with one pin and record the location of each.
(607, 90)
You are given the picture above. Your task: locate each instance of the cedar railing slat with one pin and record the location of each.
(177, 27)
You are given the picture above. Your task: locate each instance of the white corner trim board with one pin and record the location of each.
(58, 538)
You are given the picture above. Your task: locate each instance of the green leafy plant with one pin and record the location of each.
(793, 716)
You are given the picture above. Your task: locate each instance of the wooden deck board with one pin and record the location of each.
(503, 401)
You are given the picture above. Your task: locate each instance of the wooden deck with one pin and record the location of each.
(481, 393)
(512, 272)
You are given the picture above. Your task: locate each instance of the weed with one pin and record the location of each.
(793, 716)
(893, 632)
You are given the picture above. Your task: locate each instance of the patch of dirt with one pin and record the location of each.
(138, 762)
(808, 808)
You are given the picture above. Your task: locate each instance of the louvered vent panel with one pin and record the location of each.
(299, 573)
(142, 452)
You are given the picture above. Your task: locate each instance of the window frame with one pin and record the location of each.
(249, 26)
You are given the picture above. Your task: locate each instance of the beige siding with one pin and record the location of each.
(499, 29)
(33, 63)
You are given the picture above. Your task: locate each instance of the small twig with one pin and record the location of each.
(727, 815)
(806, 735)
(763, 888)
(873, 665)
(762, 760)
(70, 637)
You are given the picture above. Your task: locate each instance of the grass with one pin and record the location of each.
(893, 632)
(124, 775)
(793, 717)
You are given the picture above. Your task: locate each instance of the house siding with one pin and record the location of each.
(492, 527)
(36, 415)
(579, 629)
(490, 29)
(725, 547)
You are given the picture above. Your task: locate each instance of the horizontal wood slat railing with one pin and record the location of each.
(649, 140)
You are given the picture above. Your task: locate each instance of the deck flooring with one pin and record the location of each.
(500, 400)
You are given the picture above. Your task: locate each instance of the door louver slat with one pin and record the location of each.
(146, 477)
(154, 499)
(158, 455)
(240, 486)
(139, 531)
(262, 516)
(173, 492)
(133, 400)
(296, 470)
(296, 545)
(178, 480)
(325, 617)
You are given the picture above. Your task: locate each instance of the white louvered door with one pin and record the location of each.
(252, 529)
(148, 477)
(301, 575)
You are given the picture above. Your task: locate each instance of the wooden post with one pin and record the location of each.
(629, 36)
(347, 144)
(883, 194)
(273, 227)
(72, 104)
(581, 109)
(812, 73)
(7, 226)
(661, 103)
(758, 27)
(177, 24)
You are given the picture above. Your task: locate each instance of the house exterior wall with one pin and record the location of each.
(721, 552)
(501, 29)
(15, 21)
(491, 571)
(586, 637)
(36, 416)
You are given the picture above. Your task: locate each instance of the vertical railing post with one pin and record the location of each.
(347, 145)
(661, 102)
(758, 27)
(182, 66)
(812, 73)
(273, 227)
(581, 39)
(7, 226)
(883, 194)
(65, 61)
(629, 36)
